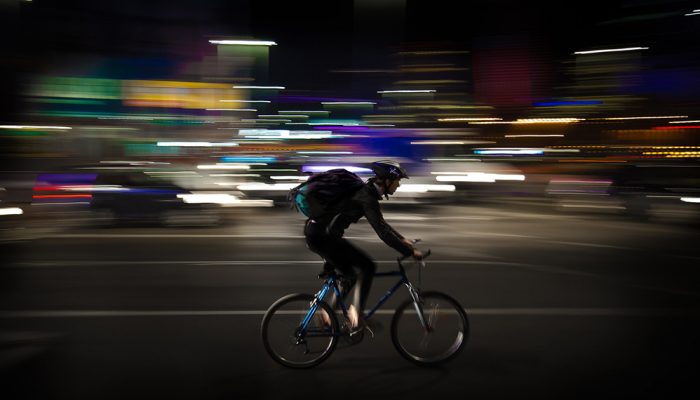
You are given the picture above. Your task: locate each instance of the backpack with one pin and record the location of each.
(321, 191)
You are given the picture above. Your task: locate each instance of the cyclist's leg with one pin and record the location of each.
(354, 257)
(345, 257)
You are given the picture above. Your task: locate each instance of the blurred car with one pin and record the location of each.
(124, 194)
(134, 196)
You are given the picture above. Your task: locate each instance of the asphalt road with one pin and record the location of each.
(560, 306)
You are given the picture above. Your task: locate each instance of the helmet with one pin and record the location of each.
(388, 169)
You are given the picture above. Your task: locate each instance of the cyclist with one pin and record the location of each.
(324, 235)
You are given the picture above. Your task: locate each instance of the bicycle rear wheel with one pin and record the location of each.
(282, 336)
(448, 329)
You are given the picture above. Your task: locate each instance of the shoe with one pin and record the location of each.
(374, 326)
(351, 339)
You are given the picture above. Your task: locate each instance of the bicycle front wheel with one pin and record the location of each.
(446, 333)
(285, 338)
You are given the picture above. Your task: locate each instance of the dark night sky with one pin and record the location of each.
(316, 37)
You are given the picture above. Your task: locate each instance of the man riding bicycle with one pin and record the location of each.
(324, 235)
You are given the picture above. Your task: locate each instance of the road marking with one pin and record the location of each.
(167, 235)
(238, 263)
(605, 246)
(234, 236)
(551, 311)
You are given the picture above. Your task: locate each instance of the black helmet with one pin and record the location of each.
(388, 169)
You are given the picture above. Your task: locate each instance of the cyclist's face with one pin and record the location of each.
(392, 185)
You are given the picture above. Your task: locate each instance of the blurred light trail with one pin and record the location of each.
(246, 101)
(62, 196)
(305, 112)
(223, 199)
(198, 144)
(406, 91)
(245, 42)
(691, 199)
(479, 177)
(568, 103)
(232, 109)
(290, 177)
(11, 211)
(258, 87)
(439, 142)
(240, 159)
(648, 117)
(533, 135)
(611, 50)
(285, 134)
(324, 152)
(532, 121)
(324, 168)
(510, 151)
(692, 121)
(670, 128)
(350, 103)
(34, 127)
(222, 166)
(469, 119)
(266, 186)
(418, 188)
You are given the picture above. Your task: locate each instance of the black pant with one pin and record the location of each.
(345, 257)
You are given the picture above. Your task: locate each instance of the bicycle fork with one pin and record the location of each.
(418, 305)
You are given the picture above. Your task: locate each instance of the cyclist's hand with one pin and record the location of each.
(417, 254)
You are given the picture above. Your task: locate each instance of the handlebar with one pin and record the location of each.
(425, 255)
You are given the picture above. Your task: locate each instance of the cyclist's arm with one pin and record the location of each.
(385, 232)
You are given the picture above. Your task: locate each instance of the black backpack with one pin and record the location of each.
(321, 191)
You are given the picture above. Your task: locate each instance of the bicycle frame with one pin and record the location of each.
(332, 283)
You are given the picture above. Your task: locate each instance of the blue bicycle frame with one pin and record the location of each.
(332, 283)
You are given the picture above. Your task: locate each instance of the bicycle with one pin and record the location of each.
(296, 336)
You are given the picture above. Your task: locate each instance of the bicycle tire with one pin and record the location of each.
(446, 340)
(278, 332)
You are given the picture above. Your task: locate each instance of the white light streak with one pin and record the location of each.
(284, 116)
(34, 127)
(405, 91)
(217, 198)
(267, 186)
(223, 166)
(197, 144)
(533, 135)
(233, 109)
(246, 101)
(348, 103)
(439, 142)
(418, 188)
(285, 134)
(611, 50)
(323, 168)
(288, 178)
(479, 177)
(690, 199)
(694, 121)
(259, 87)
(244, 42)
(305, 112)
(11, 211)
(648, 117)
(469, 119)
(532, 121)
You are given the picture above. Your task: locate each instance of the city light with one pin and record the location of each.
(244, 42)
(611, 50)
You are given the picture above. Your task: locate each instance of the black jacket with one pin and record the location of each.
(364, 203)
